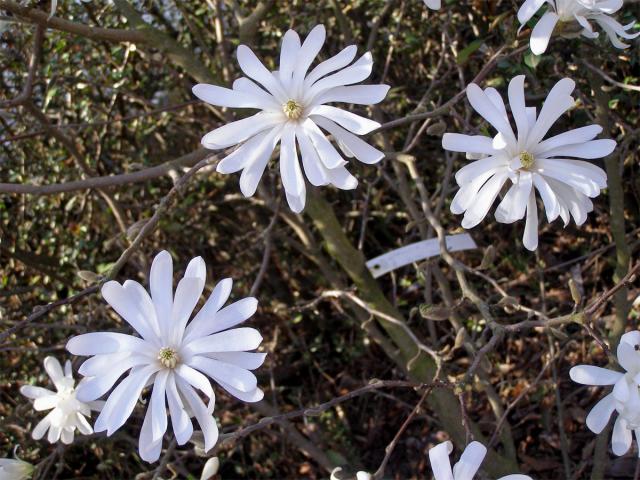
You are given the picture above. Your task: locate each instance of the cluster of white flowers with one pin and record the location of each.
(178, 356)
(578, 13)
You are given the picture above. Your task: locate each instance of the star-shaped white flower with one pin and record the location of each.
(574, 11)
(526, 160)
(625, 397)
(67, 412)
(15, 469)
(466, 467)
(433, 4)
(173, 355)
(293, 110)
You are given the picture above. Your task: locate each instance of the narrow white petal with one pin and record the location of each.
(592, 375)
(352, 122)
(470, 461)
(237, 339)
(541, 34)
(97, 343)
(161, 287)
(600, 414)
(203, 416)
(205, 316)
(439, 459)
(229, 373)
(360, 149)
(356, 94)
(621, 437)
(530, 238)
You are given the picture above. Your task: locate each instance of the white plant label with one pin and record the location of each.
(416, 252)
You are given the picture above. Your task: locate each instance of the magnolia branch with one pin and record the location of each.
(323, 407)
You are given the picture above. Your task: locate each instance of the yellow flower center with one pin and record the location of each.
(292, 109)
(168, 357)
(527, 160)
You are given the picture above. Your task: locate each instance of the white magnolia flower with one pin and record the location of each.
(174, 357)
(526, 160)
(15, 469)
(625, 397)
(293, 108)
(466, 467)
(571, 11)
(433, 4)
(67, 412)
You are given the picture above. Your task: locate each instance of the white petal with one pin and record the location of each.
(529, 9)
(224, 97)
(203, 416)
(600, 414)
(148, 448)
(591, 375)
(97, 343)
(92, 388)
(257, 162)
(238, 339)
(231, 315)
(578, 135)
(229, 373)
(356, 94)
(593, 149)
(355, 73)
(341, 178)
(45, 403)
(514, 204)
(482, 104)
(542, 32)
(253, 68)
(621, 390)
(161, 288)
(360, 149)
(158, 406)
(122, 400)
(530, 238)
(246, 360)
(485, 198)
(249, 397)
(33, 392)
(558, 101)
(621, 437)
(310, 159)
(204, 317)
(329, 156)
(439, 459)
(307, 54)
(470, 461)
(334, 63)
(457, 142)
(54, 370)
(288, 55)
(549, 199)
(352, 122)
(290, 170)
(628, 357)
(127, 303)
(242, 156)
(519, 108)
(195, 379)
(188, 293)
(236, 132)
(41, 428)
(180, 421)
